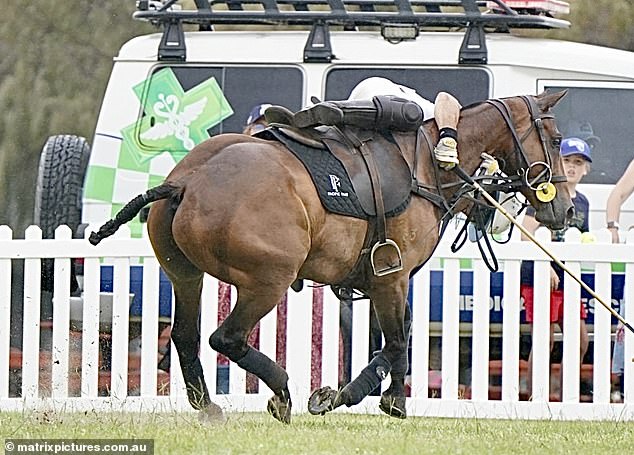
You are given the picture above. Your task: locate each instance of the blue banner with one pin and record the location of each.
(496, 300)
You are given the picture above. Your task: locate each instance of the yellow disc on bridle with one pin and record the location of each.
(546, 192)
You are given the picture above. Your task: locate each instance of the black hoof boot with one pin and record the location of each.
(393, 406)
(323, 400)
(319, 114)
(279, 406)
(297, 285)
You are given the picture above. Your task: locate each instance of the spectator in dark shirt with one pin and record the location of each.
(577, 158)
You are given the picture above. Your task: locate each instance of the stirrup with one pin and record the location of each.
(389, 243)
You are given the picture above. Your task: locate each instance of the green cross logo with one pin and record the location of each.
(175, 120)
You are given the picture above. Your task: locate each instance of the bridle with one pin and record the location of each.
(542, 184)
(543, 181)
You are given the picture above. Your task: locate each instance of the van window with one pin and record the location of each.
(602, 114)
(468, 85)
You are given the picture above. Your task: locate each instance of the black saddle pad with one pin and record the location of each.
(329, 176)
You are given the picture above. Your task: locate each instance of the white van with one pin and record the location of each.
(171, 90)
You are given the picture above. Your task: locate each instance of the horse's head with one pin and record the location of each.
(532, 155)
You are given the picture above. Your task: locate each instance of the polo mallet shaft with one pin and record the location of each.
(532, 238)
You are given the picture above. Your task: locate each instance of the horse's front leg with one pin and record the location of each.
(393, 399)
(390, 309)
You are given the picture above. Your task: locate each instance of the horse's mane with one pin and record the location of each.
(472, 105)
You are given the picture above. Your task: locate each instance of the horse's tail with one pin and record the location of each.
(131, 209)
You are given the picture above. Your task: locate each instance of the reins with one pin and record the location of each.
(478, 215)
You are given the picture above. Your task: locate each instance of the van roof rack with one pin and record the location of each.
(398, 20)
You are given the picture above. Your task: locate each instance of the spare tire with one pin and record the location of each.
(58, 193)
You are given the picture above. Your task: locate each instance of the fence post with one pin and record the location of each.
(61, 320)
(420, 333)
(480, 332)
(330, 339)
(298, 341)
(602, 327)
(511, 331)
(450, 329)
(90, 325)
(5, 315)
(571, 359)
(31, 314)
(120, 321)
(541, 324)
(149, 324)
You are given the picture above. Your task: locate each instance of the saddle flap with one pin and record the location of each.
(394, 172)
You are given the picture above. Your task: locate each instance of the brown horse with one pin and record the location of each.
(245, 210)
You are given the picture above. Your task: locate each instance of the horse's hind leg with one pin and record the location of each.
(231, 339)
(187, 282)
(186, 337)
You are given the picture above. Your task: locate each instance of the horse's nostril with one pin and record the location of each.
(570, 213)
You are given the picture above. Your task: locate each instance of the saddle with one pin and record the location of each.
(379, 176)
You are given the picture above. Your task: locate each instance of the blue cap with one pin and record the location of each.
(576, 146)
(256, 113)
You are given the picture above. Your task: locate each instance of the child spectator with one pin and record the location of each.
(576, 157)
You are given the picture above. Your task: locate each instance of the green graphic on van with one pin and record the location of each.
(175, 121)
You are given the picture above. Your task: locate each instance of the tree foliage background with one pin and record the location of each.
(57, 56)
(56, 59)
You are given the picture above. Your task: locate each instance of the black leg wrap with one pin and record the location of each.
(369, 378)
(264, 368)
(448, 132)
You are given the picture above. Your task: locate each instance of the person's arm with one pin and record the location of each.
(446, 110)
(531, 224)
(619, 194)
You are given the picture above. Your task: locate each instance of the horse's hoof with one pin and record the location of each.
(322, 401)
(212, 413)
(393, 406)
(280, 408)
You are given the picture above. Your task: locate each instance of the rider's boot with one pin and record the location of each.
(381, 113)
(446, 151)
(278, 115)
(358, 113)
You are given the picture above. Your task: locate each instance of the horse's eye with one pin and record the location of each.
(557, 143)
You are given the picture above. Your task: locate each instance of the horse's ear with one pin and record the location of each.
(546, 100)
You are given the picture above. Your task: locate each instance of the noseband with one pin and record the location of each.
(545, 178)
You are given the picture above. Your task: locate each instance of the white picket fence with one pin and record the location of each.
(120, 250)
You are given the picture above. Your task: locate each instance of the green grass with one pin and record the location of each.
(331, 434)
